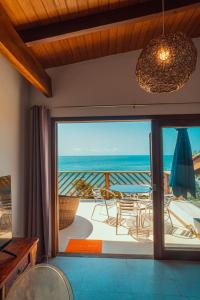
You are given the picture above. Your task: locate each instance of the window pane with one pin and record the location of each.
(181, 165)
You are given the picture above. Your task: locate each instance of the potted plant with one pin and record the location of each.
(83, 189)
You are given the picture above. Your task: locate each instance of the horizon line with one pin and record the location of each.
(109, 155)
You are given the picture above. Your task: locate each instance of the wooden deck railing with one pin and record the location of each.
(68, 181)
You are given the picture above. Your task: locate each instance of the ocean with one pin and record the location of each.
(109, 163)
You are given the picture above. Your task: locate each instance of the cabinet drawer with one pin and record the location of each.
(20, 268)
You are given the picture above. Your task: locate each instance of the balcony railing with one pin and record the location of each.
(68, 181)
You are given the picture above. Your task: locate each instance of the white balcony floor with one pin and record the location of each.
(102, 228)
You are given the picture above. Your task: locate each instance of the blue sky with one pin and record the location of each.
(170, 135)
(115, 138)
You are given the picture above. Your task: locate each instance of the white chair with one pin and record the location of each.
(41, 282)
(130, 209)
(146, 200)
(102, 201)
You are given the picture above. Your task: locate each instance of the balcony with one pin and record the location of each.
(181, 228)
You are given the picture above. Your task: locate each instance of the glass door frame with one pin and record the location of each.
(157, 122)
(160, 252)
(54, 173)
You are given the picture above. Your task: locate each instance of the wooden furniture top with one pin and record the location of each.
(19, 246)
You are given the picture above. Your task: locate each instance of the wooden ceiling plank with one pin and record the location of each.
(50, 58)
(112, 40)
(62, 8)
(62, 53)
(96, 22)
(82, 5)
(193, 20)
(75, 48)
(72, 6)
(189, 23)
(49, 55)
(104, 42)
(51, 10)
(28, 11)
(134, 38)
(89, 44)
(57, 53)
(120, 37)
(39, 52)
(195, 30)
(97, 44)
(173, 25)
(70, 49)
(83, 47)
(158, 27)
(14, 10)
(132, 34)
(14, 49)
(40, 11)
(129, 32)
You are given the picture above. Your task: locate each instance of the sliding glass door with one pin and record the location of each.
(177, 189)
(103, 184)
(172, 224)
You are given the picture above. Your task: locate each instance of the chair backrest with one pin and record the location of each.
(97, 194)
(145, 199)
(125, 206)
(41, 282)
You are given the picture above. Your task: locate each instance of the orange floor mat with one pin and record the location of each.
(84, 246)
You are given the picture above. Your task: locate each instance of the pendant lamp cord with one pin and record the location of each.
(163, 17)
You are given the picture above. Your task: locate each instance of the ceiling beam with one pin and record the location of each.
(83, 25)
(14, 49)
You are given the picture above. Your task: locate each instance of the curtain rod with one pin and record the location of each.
(125, 105)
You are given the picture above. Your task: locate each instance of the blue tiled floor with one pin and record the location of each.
(130, 279)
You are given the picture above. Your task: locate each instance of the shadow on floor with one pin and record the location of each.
(81, 228)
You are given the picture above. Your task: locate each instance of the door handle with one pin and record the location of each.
(154, 187)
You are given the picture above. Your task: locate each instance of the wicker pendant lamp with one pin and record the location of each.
(166, 63)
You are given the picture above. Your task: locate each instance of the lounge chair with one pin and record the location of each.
(167, 201)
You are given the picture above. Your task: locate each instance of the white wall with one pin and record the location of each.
(111, 80)
(13, 107)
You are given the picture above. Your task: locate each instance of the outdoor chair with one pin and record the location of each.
(146, 200)
(149, 206)
(130, 209)
(100, 196)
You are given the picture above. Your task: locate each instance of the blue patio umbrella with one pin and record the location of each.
(182, 178)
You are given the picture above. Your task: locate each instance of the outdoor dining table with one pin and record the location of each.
(131, 188)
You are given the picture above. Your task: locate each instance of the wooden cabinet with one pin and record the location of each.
(11, 267)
